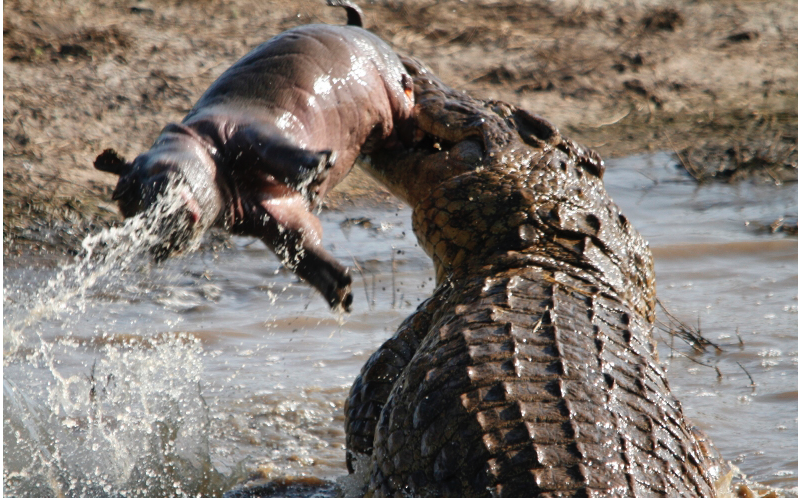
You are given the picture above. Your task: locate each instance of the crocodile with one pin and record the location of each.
(532, 369)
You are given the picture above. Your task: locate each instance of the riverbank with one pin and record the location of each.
(714, 82)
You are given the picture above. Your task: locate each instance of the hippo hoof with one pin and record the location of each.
(328, 276)
(336, 285)
(343, 296)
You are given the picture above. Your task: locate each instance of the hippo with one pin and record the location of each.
(269, 138)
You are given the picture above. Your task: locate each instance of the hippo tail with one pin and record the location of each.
(354, 16)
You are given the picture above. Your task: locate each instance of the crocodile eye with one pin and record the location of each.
(593, 222)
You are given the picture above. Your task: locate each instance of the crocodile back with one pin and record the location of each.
(532, 383)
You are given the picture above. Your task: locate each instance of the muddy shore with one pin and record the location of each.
(715, 82)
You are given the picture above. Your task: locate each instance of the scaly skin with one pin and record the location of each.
(532, 370)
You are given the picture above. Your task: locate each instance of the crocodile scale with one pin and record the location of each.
(532, 370)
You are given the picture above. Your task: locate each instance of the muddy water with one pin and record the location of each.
(183, 378)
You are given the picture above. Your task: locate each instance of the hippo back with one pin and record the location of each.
(323, 87)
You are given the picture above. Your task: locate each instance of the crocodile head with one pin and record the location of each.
(492, 184)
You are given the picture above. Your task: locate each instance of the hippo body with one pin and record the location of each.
(317, 87)
(271, 136)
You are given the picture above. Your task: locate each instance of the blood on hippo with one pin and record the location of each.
(270, 137)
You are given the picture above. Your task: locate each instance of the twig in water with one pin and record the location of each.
(685, 332)
(673, 338)
(365, 284)
(694, 360)
(373, 290)
(393, 276)
(739, 338)
(753, 384)
(688, 166)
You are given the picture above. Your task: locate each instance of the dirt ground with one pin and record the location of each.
(713, 81)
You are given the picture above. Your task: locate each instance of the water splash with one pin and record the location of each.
(104, 258)
(136, 426)
(128, 419)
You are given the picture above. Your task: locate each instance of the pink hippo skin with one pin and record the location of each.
(270, 138)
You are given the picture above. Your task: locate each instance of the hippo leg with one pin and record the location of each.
(260, 149)
(294, 234)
